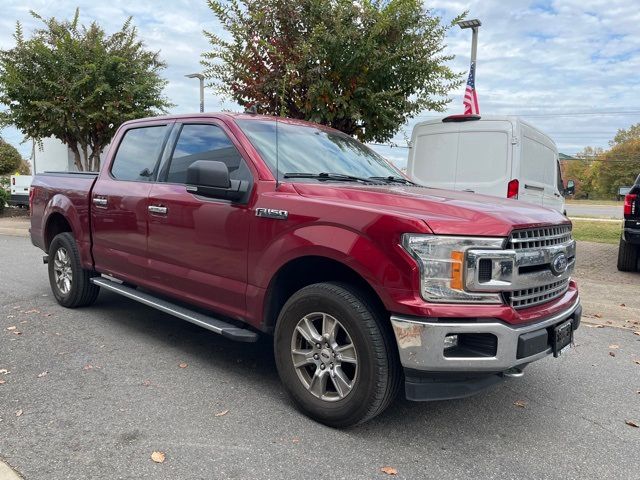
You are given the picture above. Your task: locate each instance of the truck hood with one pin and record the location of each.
(446, 212)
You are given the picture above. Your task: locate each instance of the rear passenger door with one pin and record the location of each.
(198, 246)
(119, 202)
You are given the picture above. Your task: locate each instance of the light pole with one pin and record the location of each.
(473, 25)
(200, 77)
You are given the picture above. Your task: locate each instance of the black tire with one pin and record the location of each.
(377, 379)
(81, 292)
(627, 256)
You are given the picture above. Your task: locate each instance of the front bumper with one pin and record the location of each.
(493, 348)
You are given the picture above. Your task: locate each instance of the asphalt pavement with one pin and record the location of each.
(91, 393)
(593, 211)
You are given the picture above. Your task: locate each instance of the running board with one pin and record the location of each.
(213, 324)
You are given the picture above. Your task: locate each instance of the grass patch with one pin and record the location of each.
(601, 232)
(614, 203)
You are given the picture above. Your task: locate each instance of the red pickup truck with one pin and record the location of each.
(249, 225)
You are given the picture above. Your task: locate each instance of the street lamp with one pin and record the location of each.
(200, 77)
(472, 24)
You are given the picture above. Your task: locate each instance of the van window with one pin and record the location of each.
(435, 158)
(138, 154)
(205, 142)
(482, 157)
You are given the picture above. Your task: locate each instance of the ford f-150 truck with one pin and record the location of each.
(245, 224)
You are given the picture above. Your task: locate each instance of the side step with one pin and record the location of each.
(213, 324)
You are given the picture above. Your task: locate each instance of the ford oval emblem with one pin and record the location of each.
(559, 264)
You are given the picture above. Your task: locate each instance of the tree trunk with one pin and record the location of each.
(77, 159)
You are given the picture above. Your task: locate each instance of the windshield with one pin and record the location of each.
(309, 149)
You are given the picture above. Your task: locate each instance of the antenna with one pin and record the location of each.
(277, 156)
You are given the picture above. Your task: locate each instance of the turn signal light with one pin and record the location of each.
(456, 269)
(630, 204)
(512, 188)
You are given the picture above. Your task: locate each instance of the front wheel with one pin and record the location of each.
(335, 354)
(627, 256)
(70, 283)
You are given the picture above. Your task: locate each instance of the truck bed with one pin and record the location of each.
(66, 193)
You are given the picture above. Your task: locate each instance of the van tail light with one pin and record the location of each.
(630, 204)
(512, 188)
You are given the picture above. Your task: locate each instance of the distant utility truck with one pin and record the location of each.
(499, 156)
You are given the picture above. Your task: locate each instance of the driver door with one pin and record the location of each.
(197, 246)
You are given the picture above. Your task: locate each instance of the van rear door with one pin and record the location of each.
(536, 163)
(484, 157)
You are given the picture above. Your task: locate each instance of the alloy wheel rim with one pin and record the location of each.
(324, 357)
(62, 273)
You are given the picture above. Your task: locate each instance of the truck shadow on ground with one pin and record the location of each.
(253, 366)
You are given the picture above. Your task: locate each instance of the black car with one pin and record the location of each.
(629, 251)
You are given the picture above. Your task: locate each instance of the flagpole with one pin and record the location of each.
(474, 45)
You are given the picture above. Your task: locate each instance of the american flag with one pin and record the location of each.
(470, 98)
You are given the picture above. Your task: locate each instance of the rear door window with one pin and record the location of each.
(205, 142)
(138, 154)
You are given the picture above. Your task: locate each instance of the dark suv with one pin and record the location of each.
(629, 252)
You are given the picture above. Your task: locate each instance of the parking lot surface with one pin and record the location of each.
(91, 393)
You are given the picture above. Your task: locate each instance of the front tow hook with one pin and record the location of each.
(513, 372)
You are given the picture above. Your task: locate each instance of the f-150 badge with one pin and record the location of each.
(272, 213)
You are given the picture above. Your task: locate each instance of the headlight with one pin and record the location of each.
(442, 269)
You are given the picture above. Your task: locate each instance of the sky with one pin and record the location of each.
(569, 67)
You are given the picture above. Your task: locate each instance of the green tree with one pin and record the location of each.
(624, 135)
(10, 159)
(618, 167)
(78, 84)
(363, 67)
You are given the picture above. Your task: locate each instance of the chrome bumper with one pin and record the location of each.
(421, 343)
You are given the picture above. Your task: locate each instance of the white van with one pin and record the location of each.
(20, 190)
(499, 156)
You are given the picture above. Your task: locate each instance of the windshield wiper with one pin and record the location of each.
(393, 179)
(330, 176)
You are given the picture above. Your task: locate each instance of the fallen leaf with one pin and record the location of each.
(614, 346)
(296, 440)
(16, 332)
(636, 333)
(597, 315)
(12, 327)
(613, 354)
(389, 470)
(4, 371)
(183, 365)
(158, 457)
(32, 311)
(40, 375)
(18, 413)
(637, 361)
(622, 305)
(146, 383)
(2, 382)
(48, 314)
(220, 414)
(87, 367)
(631, 423)
(520, 403)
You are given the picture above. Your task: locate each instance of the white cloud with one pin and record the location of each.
(534, 57)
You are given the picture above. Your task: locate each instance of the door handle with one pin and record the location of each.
(100, 202)
(159, 209)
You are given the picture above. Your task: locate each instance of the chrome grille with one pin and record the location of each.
(537, 295)
(539, 237)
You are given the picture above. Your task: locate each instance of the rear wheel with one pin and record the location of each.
(627, 256)
(335, 354)
(70, 283)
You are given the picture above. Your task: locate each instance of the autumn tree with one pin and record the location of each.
(617, 167)
(77, 83)
(10, 159)
(363, 67)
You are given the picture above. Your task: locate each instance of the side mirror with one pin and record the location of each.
(211, 179)
(571, 188)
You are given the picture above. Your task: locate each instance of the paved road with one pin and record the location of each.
(114, 393)
(586, 210)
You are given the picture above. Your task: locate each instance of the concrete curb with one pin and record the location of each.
(7, 473)
(595, 219)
